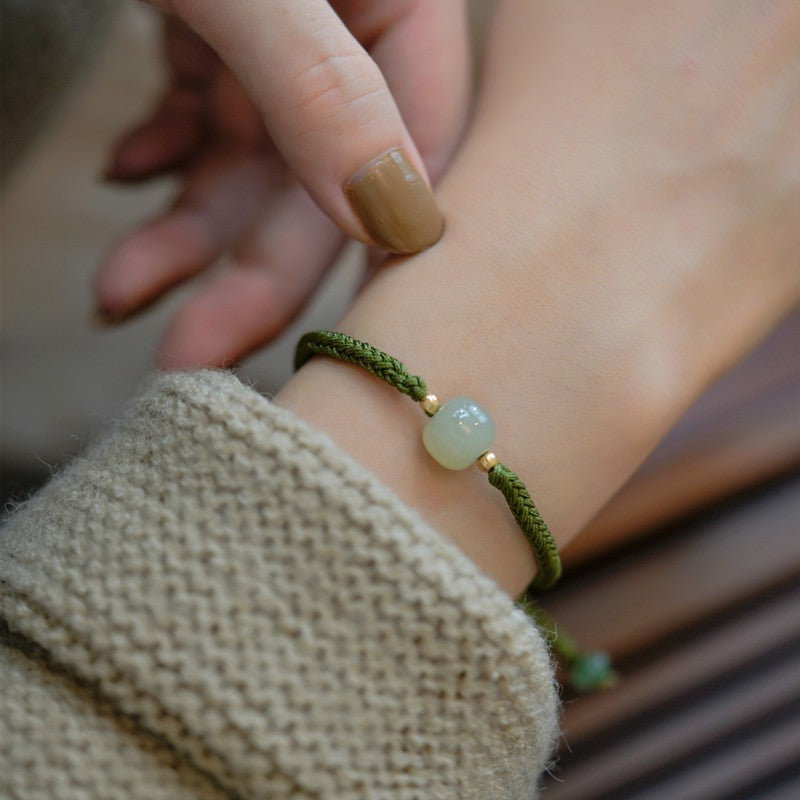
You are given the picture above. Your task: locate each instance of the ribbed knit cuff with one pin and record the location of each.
(226, 579)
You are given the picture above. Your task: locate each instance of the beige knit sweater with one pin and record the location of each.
(216, 602)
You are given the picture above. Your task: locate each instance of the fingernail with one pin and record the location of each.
(115, 168)
(394, 204)
(116, 172)
(103, 317)
(100, 318)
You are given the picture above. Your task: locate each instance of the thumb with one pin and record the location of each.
(329, 112)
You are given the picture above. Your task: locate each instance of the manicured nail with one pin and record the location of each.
(394, 204)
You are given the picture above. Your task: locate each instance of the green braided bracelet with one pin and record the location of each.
(458, 437)
(584, 671)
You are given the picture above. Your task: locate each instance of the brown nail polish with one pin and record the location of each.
(394, 204)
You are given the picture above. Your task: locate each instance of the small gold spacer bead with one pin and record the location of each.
(487, 461)
(430, 404)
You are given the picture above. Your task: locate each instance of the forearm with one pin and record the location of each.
(606, 256)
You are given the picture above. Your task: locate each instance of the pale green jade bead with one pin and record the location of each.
(458, 433)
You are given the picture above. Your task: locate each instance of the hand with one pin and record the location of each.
(622, 226)
(270, 105)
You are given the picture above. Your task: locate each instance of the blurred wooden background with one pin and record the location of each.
(690, 579)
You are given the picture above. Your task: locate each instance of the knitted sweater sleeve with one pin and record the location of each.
(216, 602)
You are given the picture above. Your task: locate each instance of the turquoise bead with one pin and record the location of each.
(458, 433)
(591, 671)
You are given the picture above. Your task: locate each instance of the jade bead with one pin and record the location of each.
(458, 433)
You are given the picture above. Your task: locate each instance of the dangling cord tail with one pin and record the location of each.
(394, 372)
(585, 671)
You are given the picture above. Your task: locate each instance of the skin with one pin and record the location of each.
(636, 175)
(621, 227)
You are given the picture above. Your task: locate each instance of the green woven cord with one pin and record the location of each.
(346, 348)
(585, 671)
(533, 526)
(394, 372)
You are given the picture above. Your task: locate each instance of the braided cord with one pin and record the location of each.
(531, 523)
(346, 348)
(585, 671)
(394, 372)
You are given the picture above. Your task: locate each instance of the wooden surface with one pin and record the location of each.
(691, 580)
(685, 575)
(704, 625)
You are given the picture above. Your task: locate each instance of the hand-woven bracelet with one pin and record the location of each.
(458, 434)
(450, 424)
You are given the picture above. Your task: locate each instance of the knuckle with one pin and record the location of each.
(334, 86)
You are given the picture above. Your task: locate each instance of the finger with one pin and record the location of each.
(234, 118)
(221, 201)
(174, 131)
(329, 111)
(191, 62)
(422, 49)
(185, 122)
(164, 142)
(251, 304)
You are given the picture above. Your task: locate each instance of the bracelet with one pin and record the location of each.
(458, 434)
(463, 419)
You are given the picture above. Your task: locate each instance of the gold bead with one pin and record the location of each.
(430, 404)
(487, 461)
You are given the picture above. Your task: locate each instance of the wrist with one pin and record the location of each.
(568, 422)
(382, 429)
